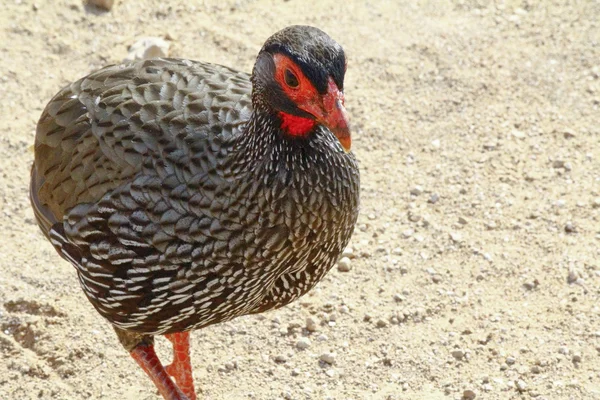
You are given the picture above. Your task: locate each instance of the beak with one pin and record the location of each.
(335, 116)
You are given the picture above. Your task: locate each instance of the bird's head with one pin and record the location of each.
(299, 76)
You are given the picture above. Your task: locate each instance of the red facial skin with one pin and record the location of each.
(328, 109)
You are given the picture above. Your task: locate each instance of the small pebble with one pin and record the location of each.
(490, 145)
(521, 385)
(510, 360)
(348, 252)
(303, 343)
(576, 358)
(311, 324)
(230, 366)
(414, 217)
(329, 358)
(330, 373)
(558, 164)
(169, 35)
(518, 134)
(382, 323)
(104, 4)
(322, 337)
(491, 225)
(398, 298)
(456, 237)
(148, 47)
(433, 198)
(408, 233)
(469, 395)
(570, 228)
(280, 359)
(596, 202)
(569, 133)
(344, 264)
(416, 191)
(458, 354)
(531, 285)
(397, 251)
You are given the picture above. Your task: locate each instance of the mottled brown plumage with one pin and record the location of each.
(183, 199)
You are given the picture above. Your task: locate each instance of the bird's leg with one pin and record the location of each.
(181, 368)
(141, 348)
(146, 358)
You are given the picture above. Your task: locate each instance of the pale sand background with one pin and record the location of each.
(493, 107)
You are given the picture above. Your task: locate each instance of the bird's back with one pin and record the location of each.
(94, 134)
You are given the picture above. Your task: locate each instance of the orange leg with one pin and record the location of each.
(181, 368)
(146, 357)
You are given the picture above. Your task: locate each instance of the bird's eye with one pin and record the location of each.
(290, 79)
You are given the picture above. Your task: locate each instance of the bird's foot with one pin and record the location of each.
(181, 369)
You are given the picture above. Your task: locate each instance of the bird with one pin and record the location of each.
(186, 193)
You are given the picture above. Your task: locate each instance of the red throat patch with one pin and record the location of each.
(296, 126)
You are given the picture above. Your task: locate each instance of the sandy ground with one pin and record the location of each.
(475, 267)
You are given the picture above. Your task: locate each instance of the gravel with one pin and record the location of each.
(303, 343)
(416, 190)
(469, 395)
(521, 385)
(311, 324)
(280, 359)
(328, 358)
(148, 47)
(103, 4)
(570, 227)
(433, 198)
(456, 237)
(458, 354)
(381, 323)
(344, 264)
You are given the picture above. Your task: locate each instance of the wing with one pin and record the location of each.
(94, 134)
(120, 157)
